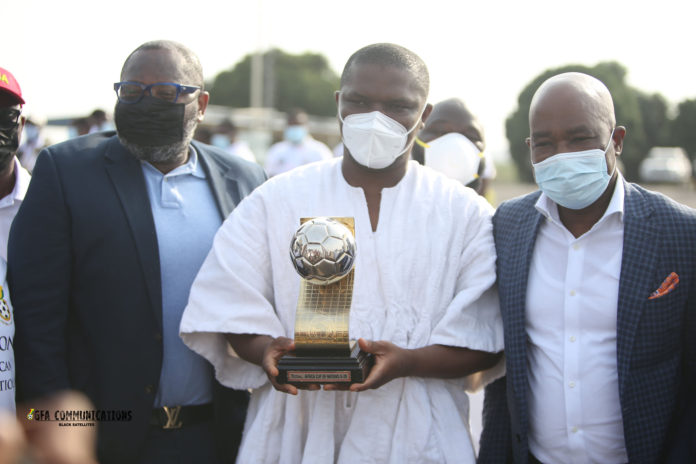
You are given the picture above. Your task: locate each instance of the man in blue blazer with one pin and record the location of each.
(597, 293)
(102, 255)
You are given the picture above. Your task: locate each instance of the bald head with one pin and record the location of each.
(573, 112)
(452, 109)
(589, 94)
(449, 116)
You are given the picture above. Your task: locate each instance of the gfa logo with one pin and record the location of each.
(5, 313)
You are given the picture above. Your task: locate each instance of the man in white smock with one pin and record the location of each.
(424, 302)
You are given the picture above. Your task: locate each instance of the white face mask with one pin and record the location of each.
(374, 139)
(455, 156)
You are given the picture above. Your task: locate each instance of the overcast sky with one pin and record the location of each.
(67, 54)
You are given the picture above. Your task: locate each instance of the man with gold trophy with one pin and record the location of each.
(419, 296)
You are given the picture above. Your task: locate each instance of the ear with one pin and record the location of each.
(337, 97)
(618, 138)
(528, 142)
(203, 99)
(426, 112)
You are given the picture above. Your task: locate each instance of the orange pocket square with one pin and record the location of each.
(667, 286)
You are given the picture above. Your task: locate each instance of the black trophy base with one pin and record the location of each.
(300, 369)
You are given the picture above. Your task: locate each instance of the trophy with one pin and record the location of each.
(323, 253)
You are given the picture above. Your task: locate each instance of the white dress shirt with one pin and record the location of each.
(572, 295)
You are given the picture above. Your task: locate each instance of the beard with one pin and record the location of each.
(169, 153)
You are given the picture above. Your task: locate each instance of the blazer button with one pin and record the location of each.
(149, 389)
(158, 337)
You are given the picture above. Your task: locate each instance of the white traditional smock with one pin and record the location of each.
(426, 276)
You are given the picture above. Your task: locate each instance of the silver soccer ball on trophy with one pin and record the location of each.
(323, 251)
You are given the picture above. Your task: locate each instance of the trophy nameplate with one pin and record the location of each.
(323, 252)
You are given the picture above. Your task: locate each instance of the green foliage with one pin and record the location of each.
(629, 105)
(684, 127)
(290, 81)
(656, 123)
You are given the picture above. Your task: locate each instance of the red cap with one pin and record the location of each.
(9, 84)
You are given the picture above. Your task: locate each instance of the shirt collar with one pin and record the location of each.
(192, 166)
(549, 209)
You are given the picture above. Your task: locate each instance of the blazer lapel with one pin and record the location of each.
(128, 181)
(637, 270)
(522, 250)
(224, 186)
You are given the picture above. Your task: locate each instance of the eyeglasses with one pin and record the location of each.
(132, 92)
(9, 118)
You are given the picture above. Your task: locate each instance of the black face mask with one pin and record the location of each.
(151, 122)
(9, 142)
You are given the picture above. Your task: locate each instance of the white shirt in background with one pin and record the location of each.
(284, 156)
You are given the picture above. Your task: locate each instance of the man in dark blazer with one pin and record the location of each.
(597, 293)
(102, 255)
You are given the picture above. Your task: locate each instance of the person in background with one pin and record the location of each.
(78, 127)
(102, 255)
(225, 137)
(597, 282)
(297, 148)
(98, 122)
(33, 140)
(203, 134)
(452, 141)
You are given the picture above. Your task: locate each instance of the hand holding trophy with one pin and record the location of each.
(323, 253)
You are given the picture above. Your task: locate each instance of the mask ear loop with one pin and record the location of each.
(415, 139)
(340, 98)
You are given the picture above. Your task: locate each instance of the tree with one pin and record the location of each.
(629, 105)
(656, 122)
(683, 133)
(304, 81)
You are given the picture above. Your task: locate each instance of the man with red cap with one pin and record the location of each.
(14, 180)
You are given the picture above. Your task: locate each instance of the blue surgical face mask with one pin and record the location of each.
(220, 141)
(295, 134)
(574, 180)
